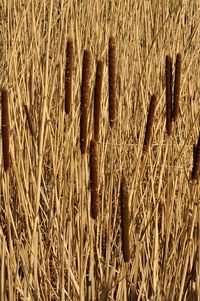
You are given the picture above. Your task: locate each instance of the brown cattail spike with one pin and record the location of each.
(149, 125)
(112, 80)
(68, 76)
(30, 124)
(168, 73)
(97, 99)
(94, 177)
(85, 100)
(196, 163)
(5, 128)
(177, 87)
(124, 219)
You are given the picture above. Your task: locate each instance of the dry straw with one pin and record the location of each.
(196, 163)
(112, 80)
(30, 124)
(85, 100)
(94, 177)
(124, 219)
(149, 125)
(168, 74)
(177, 87)
(97, 99)
(68, 75)
(5, 128)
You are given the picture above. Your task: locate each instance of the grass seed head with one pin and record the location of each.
(112, 80)
(68, 75)
(149, 125)
(177, 83)
(5, 128)
(124, 219)
(97, 98)
(168, 74)
(86, 71)
(196, 162)
(94, 178)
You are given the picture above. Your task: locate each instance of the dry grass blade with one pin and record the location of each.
(97, 98)
(149, 125)
(168, 74)
(124, 219)
(177, 87)
(94, 178)
(196, 164)
(85, 99)
(112, 80)
(68, 75)
(5, 128)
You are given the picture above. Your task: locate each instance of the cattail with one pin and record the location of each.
(124, 219)
(68, 76)
(5, 128)
(112, 80)
(97, 99)
(168, 73)
(149, 124)
(30, 124)
(85, 99)
(94, 178)
(196, 162)
(177, 87)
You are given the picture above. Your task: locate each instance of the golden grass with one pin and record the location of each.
(50, 247)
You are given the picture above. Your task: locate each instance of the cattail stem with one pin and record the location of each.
(168, 73)
(124, 219)
(5, 129)
(177, 87)
(85, 100)
(149, 125)
(112, 80)
(94, 177)
(196, 163)
(97, 99)
(68, 75)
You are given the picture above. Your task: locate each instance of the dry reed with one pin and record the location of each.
(94, 177)
(124, 219)
(149, 125)
(112, 80)
(97, 99)
(177, 87)
(85, 100)
(196, 162)
(168, 74)
(68, 76)
(5, 128)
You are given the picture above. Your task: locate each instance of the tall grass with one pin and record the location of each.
(50, 246)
